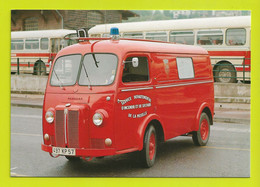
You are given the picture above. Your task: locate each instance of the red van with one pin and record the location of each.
(116, 96)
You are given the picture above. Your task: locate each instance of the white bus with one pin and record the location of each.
(33, 51)
(227, 40)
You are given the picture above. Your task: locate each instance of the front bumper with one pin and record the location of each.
(85, 152)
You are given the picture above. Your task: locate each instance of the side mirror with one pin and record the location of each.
(135, 62)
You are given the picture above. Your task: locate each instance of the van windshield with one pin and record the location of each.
(65, 70)
(98, 69)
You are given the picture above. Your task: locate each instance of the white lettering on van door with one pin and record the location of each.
(135, 106)
(137, 115)
(124, 101)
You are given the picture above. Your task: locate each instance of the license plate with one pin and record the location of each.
(64, 151)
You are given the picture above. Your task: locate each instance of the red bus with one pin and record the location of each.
(227, 39)
(115, 96)
(35, 50)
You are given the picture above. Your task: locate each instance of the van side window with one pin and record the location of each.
(185, 68)
(136, 74)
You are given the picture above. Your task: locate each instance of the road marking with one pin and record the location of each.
(225, 148)
(26, 116)
(23, 134)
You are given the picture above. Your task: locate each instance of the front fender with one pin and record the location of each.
(142, 127)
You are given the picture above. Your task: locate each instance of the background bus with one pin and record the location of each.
(227, 40)
(33, 51)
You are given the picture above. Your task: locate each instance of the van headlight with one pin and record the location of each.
(49, 116)
(97, 119)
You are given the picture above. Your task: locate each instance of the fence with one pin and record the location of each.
(38, 68)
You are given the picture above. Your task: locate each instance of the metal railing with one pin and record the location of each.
(39, 69)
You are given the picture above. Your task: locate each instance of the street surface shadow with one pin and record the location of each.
(125, 165)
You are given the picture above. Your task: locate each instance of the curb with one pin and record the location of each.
(231, 120)
(26, 105)
(246, 100)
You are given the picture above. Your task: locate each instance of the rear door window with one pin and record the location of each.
(185, 67)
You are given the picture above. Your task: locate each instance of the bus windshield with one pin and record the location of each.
(95, 70)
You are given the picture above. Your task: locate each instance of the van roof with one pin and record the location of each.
(125, 46)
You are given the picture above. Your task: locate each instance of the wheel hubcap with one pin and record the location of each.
(152, 146)
(225, 75)
(204, 129)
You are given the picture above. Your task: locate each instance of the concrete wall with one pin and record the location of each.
(28, 84)
(36, 84)
(232, 90)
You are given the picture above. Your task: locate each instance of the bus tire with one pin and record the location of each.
(201, 137)
(73, 158)
(225, 70)
(39, 68)
(148, 154)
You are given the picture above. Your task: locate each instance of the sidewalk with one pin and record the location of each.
(224, 112)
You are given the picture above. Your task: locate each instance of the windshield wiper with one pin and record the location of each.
(60, 83)
(89, 86)
(96, 62)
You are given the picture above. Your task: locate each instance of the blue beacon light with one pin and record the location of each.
(114, 32)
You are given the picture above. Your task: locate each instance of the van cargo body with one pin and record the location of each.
(117, 96)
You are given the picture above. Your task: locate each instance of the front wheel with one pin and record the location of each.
(148, 153)
(201, 136)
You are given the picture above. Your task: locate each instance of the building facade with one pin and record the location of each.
(24, 20)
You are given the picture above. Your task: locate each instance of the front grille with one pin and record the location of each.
(73, 129)
(59, 129)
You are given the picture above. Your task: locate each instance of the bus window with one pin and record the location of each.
(17, 44)
(210, 37)
(95, 36)
(235, 36)
(44, 43)
(134, 35)
(136, 74)
(106, 35)
(185, 68)
(183, 37)
(55, 45)
(160, 36)
(32, 44)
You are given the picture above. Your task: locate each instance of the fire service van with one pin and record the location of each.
(109, 96)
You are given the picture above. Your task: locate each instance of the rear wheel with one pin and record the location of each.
(148, 153)
(39, 68)
(225, 73)
(201, 136)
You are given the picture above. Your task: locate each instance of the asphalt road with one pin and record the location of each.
(227, 154)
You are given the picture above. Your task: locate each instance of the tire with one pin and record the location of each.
(201, 137)
(73, 158)
(39, 68)
(148, 154)
(225, 70)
